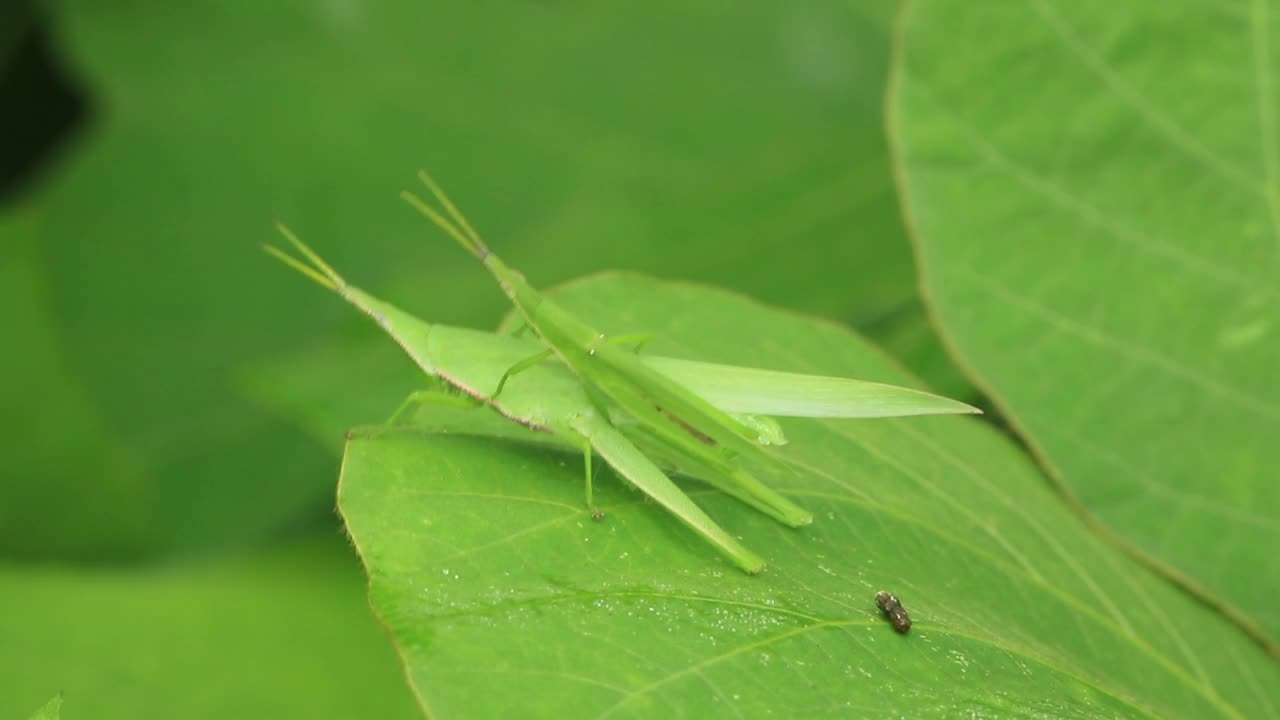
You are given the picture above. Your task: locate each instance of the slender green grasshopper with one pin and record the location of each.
(704, 419)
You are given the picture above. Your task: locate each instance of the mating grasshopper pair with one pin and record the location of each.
(607, 399)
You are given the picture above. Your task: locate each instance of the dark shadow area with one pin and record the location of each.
(43, 105)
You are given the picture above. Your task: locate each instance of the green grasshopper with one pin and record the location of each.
(704, 419)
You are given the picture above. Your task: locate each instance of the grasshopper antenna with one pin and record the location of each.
(462, 231)
(315, 267)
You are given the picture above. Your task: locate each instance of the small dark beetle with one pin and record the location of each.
(892, 609)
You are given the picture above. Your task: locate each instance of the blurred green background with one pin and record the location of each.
(1095, 233)
(149, 146)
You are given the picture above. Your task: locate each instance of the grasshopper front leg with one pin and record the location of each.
(596, 513)
(638, 340)
(442, 394)
(518, 368)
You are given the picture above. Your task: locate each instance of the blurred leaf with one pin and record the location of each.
(307, 387)
(283, 635)
(52, 710)
(504, 597)
(42, 469)
(751, 156)
(907, 334)
(1101, 240)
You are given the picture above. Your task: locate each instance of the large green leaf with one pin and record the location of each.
(1096, 193)
(505, 598)
(571, 140)
(286, 634)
